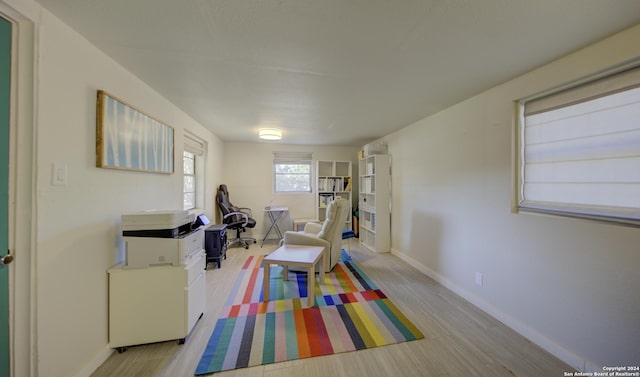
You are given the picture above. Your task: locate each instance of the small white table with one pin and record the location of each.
(298, 256)
(274, 215)
(302, 221)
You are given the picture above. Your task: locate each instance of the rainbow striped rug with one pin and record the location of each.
(350, 314)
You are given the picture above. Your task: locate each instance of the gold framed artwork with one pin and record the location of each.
(128, 139)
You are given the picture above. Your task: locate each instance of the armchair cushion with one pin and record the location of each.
(301, 238)
(330, 224)
(313, 228)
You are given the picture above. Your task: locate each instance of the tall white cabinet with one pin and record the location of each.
(374, 202)
(333, 181)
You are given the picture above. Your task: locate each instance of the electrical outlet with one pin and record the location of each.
(479, 278)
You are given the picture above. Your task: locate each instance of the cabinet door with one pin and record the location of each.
(146, 305)
(196, 301)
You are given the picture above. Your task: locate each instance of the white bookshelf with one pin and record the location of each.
(333, 180)
(374, 202)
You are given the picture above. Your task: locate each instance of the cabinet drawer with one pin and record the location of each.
(196, 267)
(191, 243)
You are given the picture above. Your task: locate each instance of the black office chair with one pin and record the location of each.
(236, 218)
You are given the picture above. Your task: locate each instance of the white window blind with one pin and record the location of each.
(292, 171)
(580, 150)
(193, 170)
(194, 144)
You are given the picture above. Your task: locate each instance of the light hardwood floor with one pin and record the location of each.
(460, 339)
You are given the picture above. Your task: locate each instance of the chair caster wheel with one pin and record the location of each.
(246, 247)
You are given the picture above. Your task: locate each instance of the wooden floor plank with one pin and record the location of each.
(460, 339)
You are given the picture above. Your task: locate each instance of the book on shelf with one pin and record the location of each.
(367, 185)
(347, 184)
(321, 184)
(325, 199)
(330, 184)
(370, 168)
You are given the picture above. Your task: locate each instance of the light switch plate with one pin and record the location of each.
(59, 175)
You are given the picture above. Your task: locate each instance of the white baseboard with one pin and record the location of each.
(531, 334)
(95, 363)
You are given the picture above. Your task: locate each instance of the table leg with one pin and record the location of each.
(321, 263)
(311, 279)
(266, 281)
(273, 223)
(285, 272)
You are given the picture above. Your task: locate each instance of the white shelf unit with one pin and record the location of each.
(334, 180)
(374, 202)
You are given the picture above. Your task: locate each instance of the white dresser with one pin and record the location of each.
(154, 304)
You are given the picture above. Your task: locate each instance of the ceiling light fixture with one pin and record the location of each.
(270, 134)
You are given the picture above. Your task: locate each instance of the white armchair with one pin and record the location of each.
(328, 234)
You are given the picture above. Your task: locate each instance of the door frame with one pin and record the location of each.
(22, 214)
(5, 270)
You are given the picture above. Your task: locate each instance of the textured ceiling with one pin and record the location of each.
(333, 72)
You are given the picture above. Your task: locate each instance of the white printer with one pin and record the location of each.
(154, 238)
(155, 223)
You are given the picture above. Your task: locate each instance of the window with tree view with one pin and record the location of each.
(194, 171)
(292, 172)
(189, 187)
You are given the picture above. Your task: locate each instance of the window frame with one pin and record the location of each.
(196, 146)
(292, 158)
(629, 216)
(185, 175)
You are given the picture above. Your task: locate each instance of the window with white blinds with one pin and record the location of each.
(292, 172)
(579, 150)
(189, 180)
(193, 161)
(194, 144)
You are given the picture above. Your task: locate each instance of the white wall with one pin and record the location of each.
(77, 230)
(248, 173)
(570, 285)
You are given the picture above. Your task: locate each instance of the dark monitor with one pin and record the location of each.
(201, 220)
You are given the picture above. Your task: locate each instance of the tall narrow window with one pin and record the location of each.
(193, 160)
(189, 188)
(579, 150)
(292, 172)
